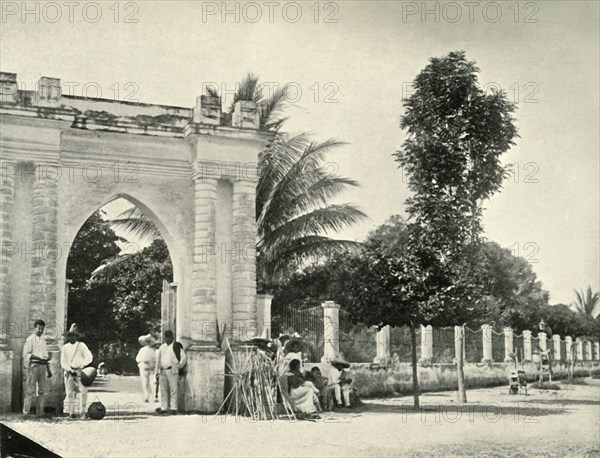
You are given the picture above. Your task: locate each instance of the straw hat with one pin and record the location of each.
(146, 339)
(74, 331)
(340, 362)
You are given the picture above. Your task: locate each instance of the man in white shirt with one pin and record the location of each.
(167, 369)
(74, 357)
(35, 366)
(146, 360)
(336, 384)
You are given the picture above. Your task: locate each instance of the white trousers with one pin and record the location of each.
(72, 386)
(169, 390)
(338, 389)
(148, 384)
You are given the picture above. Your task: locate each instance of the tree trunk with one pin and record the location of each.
(460, 373)
(413, 339)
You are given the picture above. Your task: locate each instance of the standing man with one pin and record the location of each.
(74, 356)
(146, 360)
(35, 366)
(170, 360)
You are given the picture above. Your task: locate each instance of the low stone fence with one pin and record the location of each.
(397, 379)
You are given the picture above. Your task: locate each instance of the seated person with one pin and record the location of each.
(320, 384)
(302, 393)
(339, 383)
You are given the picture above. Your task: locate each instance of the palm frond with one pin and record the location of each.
(272, 110)
(332, 218)
(108, 269)
(135, 222)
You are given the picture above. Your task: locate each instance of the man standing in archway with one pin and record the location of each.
(170, 360)
(35, 365)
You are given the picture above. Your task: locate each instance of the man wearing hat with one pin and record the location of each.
(339, 384)
(74, 356)
(146, 360)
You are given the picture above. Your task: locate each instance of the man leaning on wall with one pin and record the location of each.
(36, 369)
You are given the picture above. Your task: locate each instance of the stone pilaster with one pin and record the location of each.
(244, 265)
(384, 352)
(8, 246)
(596, 351)
(557, 343)
(508, 344)
(331, 332)
(43, 279)
(527, 350)
(426, 345)
(203, 313)
(486, 335)
(45, 246)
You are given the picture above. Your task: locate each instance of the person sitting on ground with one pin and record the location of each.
(320, 384)
(303, 394)
(339, 384)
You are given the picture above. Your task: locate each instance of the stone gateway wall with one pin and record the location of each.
(191, 170)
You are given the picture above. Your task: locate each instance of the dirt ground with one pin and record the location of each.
(564, 422)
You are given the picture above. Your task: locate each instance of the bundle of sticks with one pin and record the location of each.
(255, 386)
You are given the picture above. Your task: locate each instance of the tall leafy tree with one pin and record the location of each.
(456, 134)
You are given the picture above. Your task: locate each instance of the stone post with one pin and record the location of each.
(208, 110)
(426, 345)
(597, 350)
(568, 345)
(557, 343)
(588, 351)
(263, 314)
(331, 332)
(527, 351)
(579, 344)
(246, 115)
(486, 335)
(508, 344)
(383, 345)
(542, 341)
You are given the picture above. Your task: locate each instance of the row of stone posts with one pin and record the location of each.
(331, 334)
(584, 348)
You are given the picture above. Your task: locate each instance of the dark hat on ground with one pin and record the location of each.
(340, 362)
(73, 331)
(293, 341)
(262, 343)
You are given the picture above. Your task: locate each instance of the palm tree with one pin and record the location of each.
(587, 303)
(293, 212)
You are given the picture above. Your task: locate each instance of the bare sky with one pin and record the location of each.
(351, 75)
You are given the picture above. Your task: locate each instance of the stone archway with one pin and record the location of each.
(192, 169)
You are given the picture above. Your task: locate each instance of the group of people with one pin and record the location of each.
(74, 357)
(162, 368)
(165, 365)
(309, 391)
